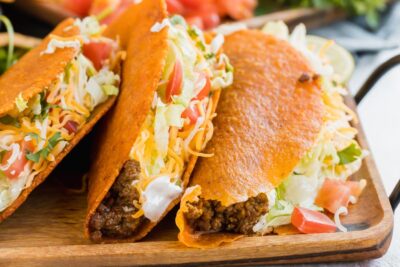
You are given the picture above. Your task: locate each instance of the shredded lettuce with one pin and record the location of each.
(21, 103)
(110, 89)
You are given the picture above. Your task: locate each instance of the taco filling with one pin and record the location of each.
(315, 184)
(178, 126)
(39, 128)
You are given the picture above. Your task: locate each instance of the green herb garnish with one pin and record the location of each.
(349, 154)
(8, 120)
(201, 46)
(209, 55)
(53, 141)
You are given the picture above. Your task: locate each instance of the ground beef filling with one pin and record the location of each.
(113, 217)
(211, 216)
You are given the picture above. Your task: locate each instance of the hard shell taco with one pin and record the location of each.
(282, 133)
(50, 99)
(150, 141)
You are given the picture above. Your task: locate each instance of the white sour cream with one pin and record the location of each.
(157, 197)
(54, 44)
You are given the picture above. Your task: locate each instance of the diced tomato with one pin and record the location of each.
(194, 4)
(206, 89)
(97, 52)
(175, 7)
(356, 187)
(333, 195)
(78, 7)
(192, 113)
(18, 165)
(210, 19)
(174, 86)
(312, 222)
(195, 21)
(71, 126)
(236, 9)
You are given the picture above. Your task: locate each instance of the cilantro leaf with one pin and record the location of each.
(349, 154)
(192, 33)
(33, 156)
(45, 107)
(53, 141)
(209, 55)
(8, 120)
(34, 136)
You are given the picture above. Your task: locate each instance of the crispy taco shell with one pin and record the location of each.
(142, 72)
(30, 76)
(266, 122)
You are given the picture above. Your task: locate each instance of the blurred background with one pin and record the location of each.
(369, 29)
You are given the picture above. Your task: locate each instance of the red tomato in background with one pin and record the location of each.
(175, 7)
(78, 7)
(195, 21)
(117, 8)
(18, 165)
(210, 19)
(333, 195)
(97, 52)
(311, 222)
(192, 113)
(206, 89)
(236, 9)
(174, 86)
(207, 12)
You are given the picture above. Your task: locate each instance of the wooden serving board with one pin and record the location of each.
(48, 230)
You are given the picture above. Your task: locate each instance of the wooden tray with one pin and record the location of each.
(48, 230)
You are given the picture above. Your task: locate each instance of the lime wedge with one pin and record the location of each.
(340, 59)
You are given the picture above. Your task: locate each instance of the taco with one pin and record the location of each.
(50, 99)
(278, 134)
(160, 124)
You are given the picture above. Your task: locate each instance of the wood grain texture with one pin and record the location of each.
(49, 11)
(48, 230)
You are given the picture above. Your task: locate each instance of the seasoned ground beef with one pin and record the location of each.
(113, 217)
(211, 216)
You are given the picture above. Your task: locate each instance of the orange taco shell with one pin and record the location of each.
(266, 122)
(31, 75)
(147, 52)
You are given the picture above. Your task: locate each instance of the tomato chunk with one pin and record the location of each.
(71, 126)
(312, 222)
(193, 3)
(97, 52)
(175, 7)
(333, 195)
(18, 165)
(236, 9)
(192, 113)
(210, 19)
(195, 21)
(174, 86)
(78, 7)
(206, 89)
